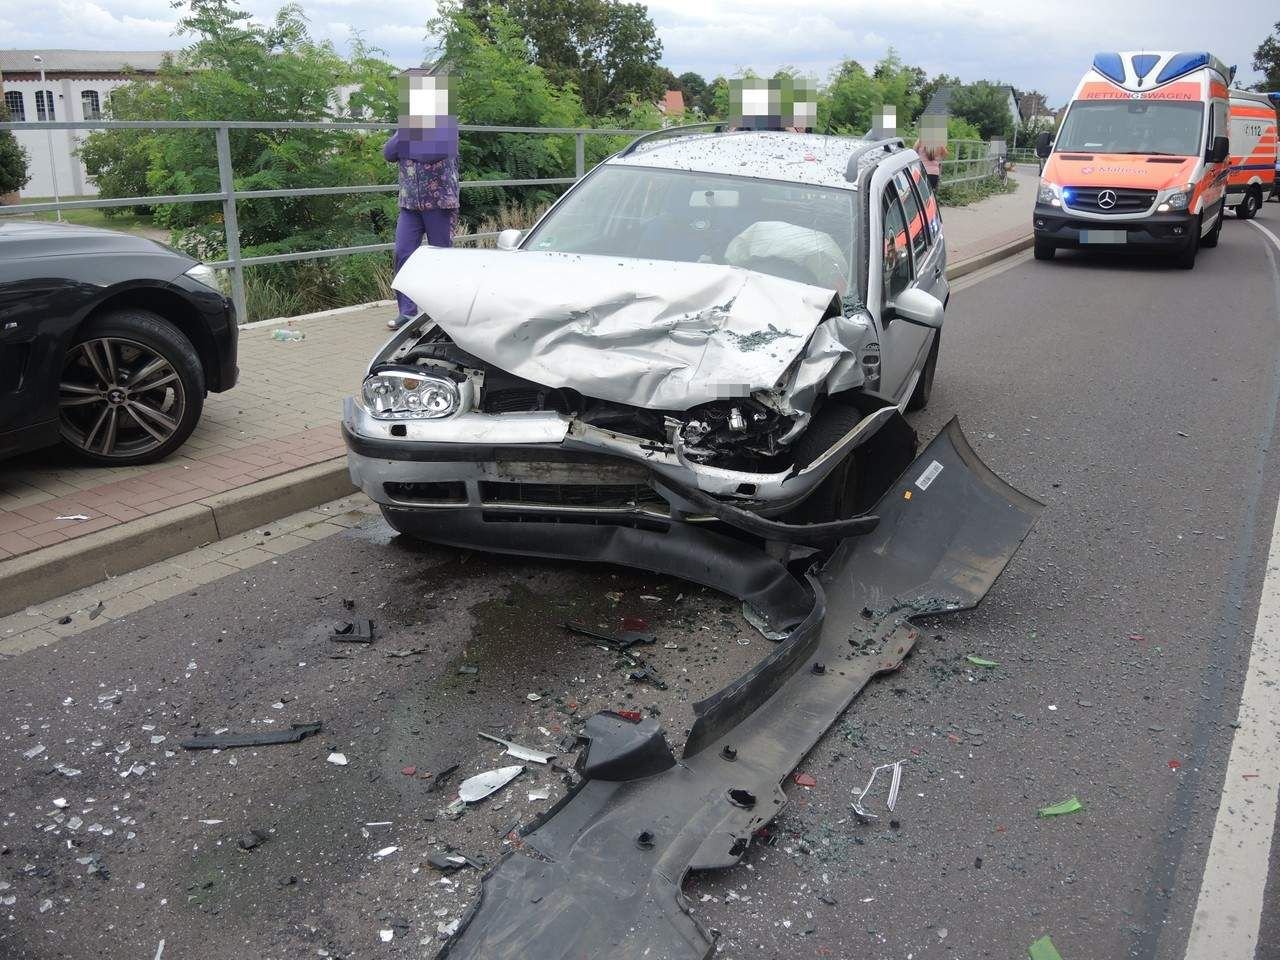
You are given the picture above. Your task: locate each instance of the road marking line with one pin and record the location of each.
(1229, 909)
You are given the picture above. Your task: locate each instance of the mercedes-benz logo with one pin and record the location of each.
(1107, 199)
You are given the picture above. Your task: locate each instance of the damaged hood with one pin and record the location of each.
(649, 333)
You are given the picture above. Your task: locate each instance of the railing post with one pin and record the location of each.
(579, 155)
(226, 184)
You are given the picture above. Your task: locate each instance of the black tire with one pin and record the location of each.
(837, 496)
(924, 386)
(1186, 260)
(1044, 251)
(1250, 205)
(1210, 239)
(107, 415)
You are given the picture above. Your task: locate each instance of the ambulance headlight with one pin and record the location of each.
(1050, 193)
(1176, 201)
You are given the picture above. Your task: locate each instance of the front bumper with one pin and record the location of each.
(1155, 231)
(545, 464)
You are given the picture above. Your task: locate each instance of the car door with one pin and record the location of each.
(902, 344)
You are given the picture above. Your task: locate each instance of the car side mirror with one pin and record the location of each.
(1218, 151)
(916, 306)
(1044, 142)
(510, 239)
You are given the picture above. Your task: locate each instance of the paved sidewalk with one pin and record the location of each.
(280, 421)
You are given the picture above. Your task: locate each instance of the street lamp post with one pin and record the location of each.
(48, 115)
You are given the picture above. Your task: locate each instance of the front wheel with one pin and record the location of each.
(924, 386)
(131, 389)
(1186, 260)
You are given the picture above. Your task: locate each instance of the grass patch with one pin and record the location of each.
(126, 220)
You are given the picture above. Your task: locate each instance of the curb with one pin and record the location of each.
(969, 265)
(53, 571)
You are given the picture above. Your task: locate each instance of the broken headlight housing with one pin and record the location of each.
(409, 394)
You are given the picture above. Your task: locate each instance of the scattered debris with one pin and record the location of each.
(34, 751)
(337, 759)
(295, 733)
(542, 793)
(620, 642)
(533, 697)
(475, 789)
(410, 652)
(409, 771)
(448, 862)
(1175, 764)
(1072, 805)
(385, 852)
(72, 516)
(96, 610)
(804, 780)
(982, 661)
(288, 336)
(859, 808)
(60, 802)
(441, 778)
(633, 715)
(466, 670)
(353, 631)
(645, 673)
(386, 935)
(252, 839)
(1043, 949)
(522, 752)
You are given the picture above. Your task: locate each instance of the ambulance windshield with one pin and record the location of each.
(1169, 127)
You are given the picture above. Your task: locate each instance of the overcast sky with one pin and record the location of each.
(1033, 44)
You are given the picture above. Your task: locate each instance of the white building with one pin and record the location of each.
(77, 85)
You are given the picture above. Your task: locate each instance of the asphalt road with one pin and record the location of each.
(1137, 401)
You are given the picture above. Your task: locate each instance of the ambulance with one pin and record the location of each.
(1253, 152)
(1140, 159)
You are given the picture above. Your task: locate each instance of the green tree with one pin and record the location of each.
(607, 49)
(13, 159)
(1266, 60)
(694, 88)
(986, 106)
(931, 87)
(236, 68)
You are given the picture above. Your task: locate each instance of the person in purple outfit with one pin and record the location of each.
(426, 149)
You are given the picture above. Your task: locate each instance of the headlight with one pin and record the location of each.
(409, 395)
(1049, 193)
(1178, 201)
(205, 275)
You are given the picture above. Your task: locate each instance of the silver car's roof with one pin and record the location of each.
(772, 155)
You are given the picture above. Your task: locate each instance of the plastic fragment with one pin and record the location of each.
(386, 935)
(521, 752)
(1043, 949)
(1073, 805)
(338, 759)
(804, 780)
(385, 852)
(288, 336)
(982, 661)
(476, 788)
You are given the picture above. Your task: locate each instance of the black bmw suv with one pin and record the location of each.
(108, 342)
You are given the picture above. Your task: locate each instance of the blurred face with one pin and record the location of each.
(424, 108)
(773, 104)
(933, 132)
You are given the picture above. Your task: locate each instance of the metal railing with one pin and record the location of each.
(229, 196)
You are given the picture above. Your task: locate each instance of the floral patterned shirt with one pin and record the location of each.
(425, 184)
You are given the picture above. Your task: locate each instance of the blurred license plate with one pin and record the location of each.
(1103, 236)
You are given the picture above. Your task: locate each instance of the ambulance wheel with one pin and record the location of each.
(1250, 205)
(1187, 258)
(1044, 251)
(1211, 238)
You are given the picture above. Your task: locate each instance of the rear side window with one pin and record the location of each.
(928, 198)
(896, 274)
(917, 230)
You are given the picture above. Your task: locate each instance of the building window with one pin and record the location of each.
(17, 107)
(90, 106)
(44, 105)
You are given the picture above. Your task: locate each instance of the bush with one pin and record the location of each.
(14, 174)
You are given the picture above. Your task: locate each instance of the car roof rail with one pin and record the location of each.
(889, 145)
(710, 126)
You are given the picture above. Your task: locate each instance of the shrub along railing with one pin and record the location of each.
(971, 160)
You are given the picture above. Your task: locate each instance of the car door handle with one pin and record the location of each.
(937, 273)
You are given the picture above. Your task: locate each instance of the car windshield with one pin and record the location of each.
(796, 231)
(1132, 126)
